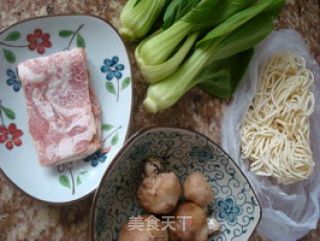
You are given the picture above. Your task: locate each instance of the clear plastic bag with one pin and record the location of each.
(289, 212)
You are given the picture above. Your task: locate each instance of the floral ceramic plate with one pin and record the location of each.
(235, 205)
(110, 72)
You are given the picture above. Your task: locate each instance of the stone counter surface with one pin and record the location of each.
(22, 218)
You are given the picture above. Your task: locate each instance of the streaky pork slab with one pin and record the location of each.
(63, 111)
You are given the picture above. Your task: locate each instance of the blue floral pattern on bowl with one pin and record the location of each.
(13, 80)
(228, 210)
(235, 205)
(112, 68)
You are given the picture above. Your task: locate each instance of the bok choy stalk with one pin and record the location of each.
(248, 27)
(184, 20)
(154, 73)
(138, 16)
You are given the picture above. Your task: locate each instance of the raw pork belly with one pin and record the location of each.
(64, 114)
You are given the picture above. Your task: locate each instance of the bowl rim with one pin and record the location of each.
(127, 135)
(135, 136)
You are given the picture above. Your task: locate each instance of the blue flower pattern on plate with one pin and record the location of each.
(228, 210)
(96, 158)
(13, 80)
(112, 68)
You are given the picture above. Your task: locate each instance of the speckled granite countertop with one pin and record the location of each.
(22, 218)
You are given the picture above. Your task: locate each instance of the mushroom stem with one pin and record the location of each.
(213, 225)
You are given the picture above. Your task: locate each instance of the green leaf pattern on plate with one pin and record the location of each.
(64, 181)
(9, 56)
(67, 177)
(80, 41)
(114, 134)
(73, 35)
(115, 139)
(107, 127)
(82, 175)
(9, 113)
(78, 180)
(13, 36)
(65, 33)
(125, 82)
(110, 88)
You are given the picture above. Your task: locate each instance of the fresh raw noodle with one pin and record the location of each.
(275, 131)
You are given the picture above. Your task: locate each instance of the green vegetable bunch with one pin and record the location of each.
(208, 43)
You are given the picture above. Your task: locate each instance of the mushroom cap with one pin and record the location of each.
(145, 232)
(160, 194)
(197, 189)
(190, 223)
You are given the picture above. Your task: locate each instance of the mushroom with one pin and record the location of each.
(159, 194)
(149, 228)
(192, 224)
(197, 189)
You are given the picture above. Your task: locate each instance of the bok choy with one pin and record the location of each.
(138, 16)
(184, 20)
(238, 33)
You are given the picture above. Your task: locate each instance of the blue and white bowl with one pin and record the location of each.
(235, 205)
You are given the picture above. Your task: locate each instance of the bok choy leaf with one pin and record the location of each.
(238, 19)
(222, 77)
(176, 10)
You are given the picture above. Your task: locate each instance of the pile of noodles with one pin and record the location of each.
(275, 131)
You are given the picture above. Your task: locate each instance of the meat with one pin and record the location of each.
(64, 114)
